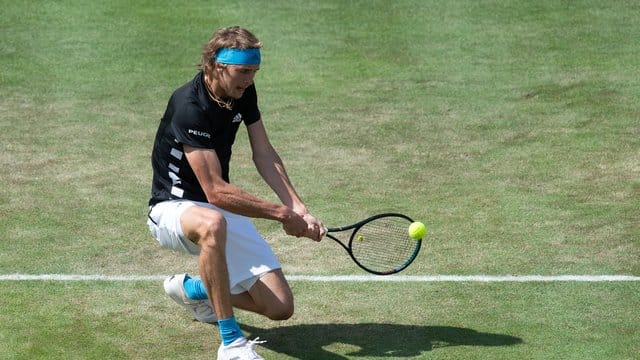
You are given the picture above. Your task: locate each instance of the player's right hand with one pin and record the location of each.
(294, 225)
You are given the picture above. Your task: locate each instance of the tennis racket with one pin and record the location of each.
(380, 244)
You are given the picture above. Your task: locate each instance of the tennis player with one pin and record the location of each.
(195, 209)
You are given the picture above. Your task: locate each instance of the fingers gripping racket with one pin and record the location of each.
(380, 244)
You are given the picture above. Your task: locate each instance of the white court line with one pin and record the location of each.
(469, 278)
(347, 278)
(75, 277)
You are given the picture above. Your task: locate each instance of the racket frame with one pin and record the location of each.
(356, 227)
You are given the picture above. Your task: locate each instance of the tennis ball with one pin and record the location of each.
(417, 230)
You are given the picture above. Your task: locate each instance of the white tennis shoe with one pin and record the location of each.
(241, 349)
(201, 310)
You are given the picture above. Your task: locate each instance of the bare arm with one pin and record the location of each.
(206, 166)
(272, 170)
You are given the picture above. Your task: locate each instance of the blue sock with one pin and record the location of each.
(229, 330)
(194, 288)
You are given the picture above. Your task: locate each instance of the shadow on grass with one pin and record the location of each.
(378, 340)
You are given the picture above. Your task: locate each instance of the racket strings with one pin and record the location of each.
(383, 245)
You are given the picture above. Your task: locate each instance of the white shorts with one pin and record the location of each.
(248, 255)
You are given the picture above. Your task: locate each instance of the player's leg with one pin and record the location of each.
(270, 295)
(265, 292)
(256, 278)
(208, 228)
(165, 226)
(199, 230)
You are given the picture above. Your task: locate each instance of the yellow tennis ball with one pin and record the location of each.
(417, 230)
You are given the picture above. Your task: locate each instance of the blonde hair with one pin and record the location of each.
(234, 37)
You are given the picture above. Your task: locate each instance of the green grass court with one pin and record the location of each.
(511, 128)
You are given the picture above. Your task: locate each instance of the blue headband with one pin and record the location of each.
(232, 56)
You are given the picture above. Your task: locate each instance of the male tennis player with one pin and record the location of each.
(195, 209)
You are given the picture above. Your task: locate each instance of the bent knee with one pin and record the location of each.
(281, 312)
(204, 226)
(213, 224)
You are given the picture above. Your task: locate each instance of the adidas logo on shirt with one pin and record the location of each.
(237, 118)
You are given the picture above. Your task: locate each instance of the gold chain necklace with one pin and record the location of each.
(223, 104)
